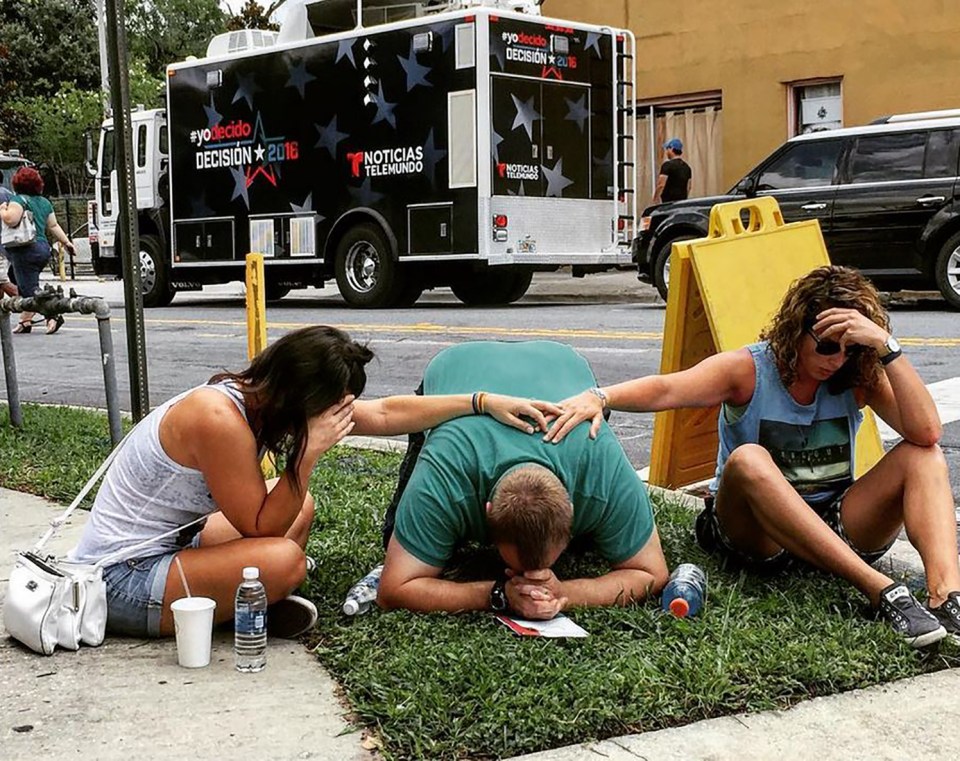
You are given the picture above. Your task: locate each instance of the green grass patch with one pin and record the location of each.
(55, 452)
(462, 686)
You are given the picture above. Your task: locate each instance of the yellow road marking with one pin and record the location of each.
(429, 328)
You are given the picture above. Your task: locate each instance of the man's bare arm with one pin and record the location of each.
(414, 585)
(640, 576)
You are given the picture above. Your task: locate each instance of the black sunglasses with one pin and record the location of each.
(828, 347)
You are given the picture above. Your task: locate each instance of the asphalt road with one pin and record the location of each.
(615, 322)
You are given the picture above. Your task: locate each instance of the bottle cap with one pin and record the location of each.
(679, 607)
(351, 607)
(250, 573)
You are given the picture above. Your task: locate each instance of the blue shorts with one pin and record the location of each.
(135, 590)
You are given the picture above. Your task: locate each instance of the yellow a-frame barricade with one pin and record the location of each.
(724, 289)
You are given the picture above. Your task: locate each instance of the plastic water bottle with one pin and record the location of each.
(363, 594)
(250, 623)
(685, 592)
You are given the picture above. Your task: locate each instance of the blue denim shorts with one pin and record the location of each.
(135, 590)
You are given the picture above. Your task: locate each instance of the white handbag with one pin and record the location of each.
(21, 234)
(52, 601)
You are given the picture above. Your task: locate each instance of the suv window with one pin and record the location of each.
(803, 165)
(888, 158)
(941, 156)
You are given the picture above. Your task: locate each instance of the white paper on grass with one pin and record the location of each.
(560, 626)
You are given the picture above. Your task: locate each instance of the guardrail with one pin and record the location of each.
(50, 302)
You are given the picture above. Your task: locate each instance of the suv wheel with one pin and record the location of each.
(661, 264)
(947, 271)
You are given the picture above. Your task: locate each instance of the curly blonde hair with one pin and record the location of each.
(809, 295)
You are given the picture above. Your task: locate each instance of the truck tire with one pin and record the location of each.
(493, 287)
(367, 275)
(275, 291)
(661, 264)
(412, 290)
(154, 275)
(947, 271)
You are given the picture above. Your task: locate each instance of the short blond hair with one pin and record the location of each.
(531, 510)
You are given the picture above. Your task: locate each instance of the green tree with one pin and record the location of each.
(43, 44)
(253, 15)
(160, 32)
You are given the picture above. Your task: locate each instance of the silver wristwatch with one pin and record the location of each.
(598, 392)
(892, 346)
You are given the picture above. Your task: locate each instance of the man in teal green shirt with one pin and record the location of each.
(475, 480)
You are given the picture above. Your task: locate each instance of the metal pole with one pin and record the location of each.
(104, 71)
(110, 379)
(10, 371)
(116, 44)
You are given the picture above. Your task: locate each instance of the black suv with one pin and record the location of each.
(887, 197)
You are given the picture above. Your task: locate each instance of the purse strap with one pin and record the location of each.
(116, 557)
(57, 522)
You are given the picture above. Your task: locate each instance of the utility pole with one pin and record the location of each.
(115, 41)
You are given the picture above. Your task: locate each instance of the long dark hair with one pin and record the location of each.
(294, 379)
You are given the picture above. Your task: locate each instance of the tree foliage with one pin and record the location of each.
(253, 15)
(50, 70)
(160, 32)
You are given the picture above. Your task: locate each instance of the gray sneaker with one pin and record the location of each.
(917, 625)
(948, 613)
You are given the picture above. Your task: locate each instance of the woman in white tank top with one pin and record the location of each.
(200, 453)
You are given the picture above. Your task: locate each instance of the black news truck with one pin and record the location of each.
(468, 147)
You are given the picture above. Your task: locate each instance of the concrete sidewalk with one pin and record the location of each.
(128, 699)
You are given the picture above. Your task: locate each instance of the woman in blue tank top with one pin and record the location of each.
(790, 407)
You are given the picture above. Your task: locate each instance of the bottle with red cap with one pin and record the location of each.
(684, 594)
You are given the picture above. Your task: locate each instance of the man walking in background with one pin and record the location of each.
(673, 184)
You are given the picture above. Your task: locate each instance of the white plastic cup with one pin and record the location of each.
(193, 621)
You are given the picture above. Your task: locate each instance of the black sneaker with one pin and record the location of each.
(290, 617)
(948, 613)
(918, 626)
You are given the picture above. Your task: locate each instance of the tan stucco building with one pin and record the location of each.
(735, 79)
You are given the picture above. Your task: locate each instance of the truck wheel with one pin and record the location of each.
(275, 291)
(493, 287)
(661, 265)
(947, 271)
(412, 290)
(154, 276)
(367, 275)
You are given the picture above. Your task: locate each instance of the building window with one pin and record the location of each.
(697, 120)
(815, 106)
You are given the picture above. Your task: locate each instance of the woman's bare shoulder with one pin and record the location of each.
(205, 408)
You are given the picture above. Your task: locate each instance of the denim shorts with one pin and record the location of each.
(712, 538)
(135, 590)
